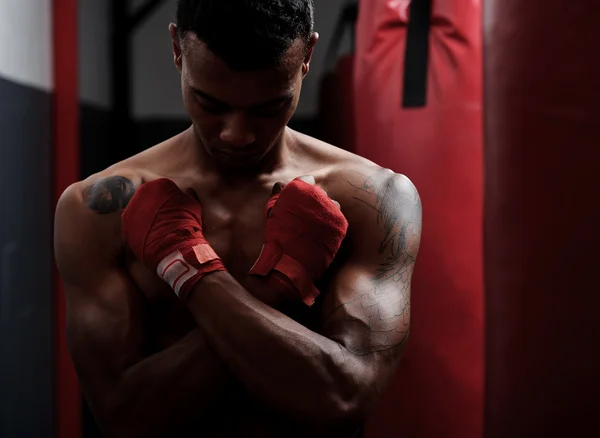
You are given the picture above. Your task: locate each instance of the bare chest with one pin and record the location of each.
(234, 226)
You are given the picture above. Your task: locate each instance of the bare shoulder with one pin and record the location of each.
(357, 184)
(328, 157)
(87, 226)
(103, 193)
(383, 209)
(88, 214)
(110, 190)
(360, 185)
(385, 215)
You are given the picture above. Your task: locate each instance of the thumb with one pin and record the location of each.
(309, 179)
(277, 188)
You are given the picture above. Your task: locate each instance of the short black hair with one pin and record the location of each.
(247, 34)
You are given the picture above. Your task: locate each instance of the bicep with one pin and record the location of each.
(104, 307)
(367, 309)
(365, 315)
(105, 325)
(104, 338)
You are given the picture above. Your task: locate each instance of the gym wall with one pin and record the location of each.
(94, 84)
(152, 48)
(26, 197)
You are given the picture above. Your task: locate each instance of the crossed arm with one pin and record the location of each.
(332, 376)
(131, 390)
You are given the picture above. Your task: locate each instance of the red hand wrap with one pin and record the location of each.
(304, 231)
(163, 227)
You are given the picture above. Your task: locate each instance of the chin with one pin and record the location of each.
(237, 162)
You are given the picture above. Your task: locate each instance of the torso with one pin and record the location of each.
(233, 223)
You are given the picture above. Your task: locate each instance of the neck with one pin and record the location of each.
(270, 163)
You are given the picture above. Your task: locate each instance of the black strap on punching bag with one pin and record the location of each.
(416, 60)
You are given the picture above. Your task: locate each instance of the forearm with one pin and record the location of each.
(170, 390)
(296, 370)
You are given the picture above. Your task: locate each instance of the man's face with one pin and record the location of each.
(239, 116)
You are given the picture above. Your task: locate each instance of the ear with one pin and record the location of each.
(311, 47)
(177, 54)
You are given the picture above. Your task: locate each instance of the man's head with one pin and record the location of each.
(242, 63)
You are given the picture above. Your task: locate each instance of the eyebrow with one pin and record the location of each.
(287, 96)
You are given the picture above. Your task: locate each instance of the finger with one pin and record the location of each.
(309, 179)
(337, 204)
(277, 188)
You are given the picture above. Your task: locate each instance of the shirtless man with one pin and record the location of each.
(241, 354)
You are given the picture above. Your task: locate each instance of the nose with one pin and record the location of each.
(237, 130)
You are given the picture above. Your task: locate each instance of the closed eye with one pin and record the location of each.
(214, 109)
(272, 109)
(210, 106)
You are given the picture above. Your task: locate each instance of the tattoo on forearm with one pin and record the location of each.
(387, 300)
(109, 195)
(375, 321)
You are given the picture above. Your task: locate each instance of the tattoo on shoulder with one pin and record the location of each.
(379, 319)
(399, 216)
(109, 195)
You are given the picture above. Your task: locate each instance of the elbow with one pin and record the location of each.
(115, 423)
(110, 413)
(119, 421)
(351, 402)
(343, 416)
(118, 425)
(353, 409)
(108, 420)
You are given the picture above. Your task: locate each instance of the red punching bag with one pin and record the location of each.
(438, 391)
(542, 218)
